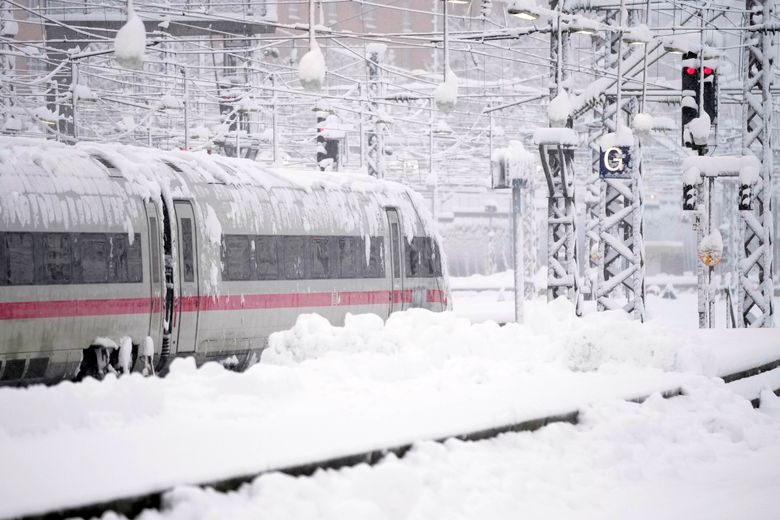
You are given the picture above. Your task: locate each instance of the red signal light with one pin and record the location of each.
(707, 71)
(690, 71)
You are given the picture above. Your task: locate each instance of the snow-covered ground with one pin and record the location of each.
(323, 391)
(706, 455)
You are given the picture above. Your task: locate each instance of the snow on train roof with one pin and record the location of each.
(89, 182)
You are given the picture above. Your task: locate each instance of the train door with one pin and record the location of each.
(155, 272)
(396, 269)
(189, 288)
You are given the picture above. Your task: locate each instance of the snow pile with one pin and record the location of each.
(9, 28)
(638, 34)
(711, 248)
(82, 92)
(643, 123)
(697, 130)
(519, 162)
(311, 68)
(171, 102)
(553, 335)
(446, 94)
(746, 166)
(560, 108)
(681, 43)
(565, 136)
(691, 175)
(583, 24)
(750, 171)
(125, 353)
(130, 41)
(622, 137)
(45, 115)
(664, 123)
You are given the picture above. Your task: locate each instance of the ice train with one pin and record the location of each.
(197, 255)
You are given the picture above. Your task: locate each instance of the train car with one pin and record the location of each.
(189, 254)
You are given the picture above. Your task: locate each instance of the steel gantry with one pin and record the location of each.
(620, 250)
(755, 264)
(556, 148)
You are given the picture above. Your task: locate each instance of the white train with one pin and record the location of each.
(198, 255)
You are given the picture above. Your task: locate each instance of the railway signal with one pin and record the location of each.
(699, 89)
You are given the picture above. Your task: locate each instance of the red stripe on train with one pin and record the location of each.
(109, 307)
(61, 308)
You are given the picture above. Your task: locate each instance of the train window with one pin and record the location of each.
(55, 265)
(436, 258)
(134, 262)
(376, 259)
(237, 255)
(293, 254)
(92, 250)
(155, 244)
(188, 253)
(17, 259)
(267, 260)
(414, 257)
(323, 259)
(173, 167)
(125, 259)
(352, 256)
(112, 170)
(394, 234)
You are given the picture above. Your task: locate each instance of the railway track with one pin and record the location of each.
(134, 505)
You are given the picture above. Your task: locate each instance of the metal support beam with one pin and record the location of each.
(562, 274)
(756, 290)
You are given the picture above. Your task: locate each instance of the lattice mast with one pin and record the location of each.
(756, 290)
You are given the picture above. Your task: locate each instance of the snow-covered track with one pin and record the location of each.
(133, 506)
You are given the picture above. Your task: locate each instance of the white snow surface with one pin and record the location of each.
(446, 94)
(323, 391)
(711, 244)
(623, 136)
(704, 455)
(311, 68)
(746, 166)
(643, 122)
(520, 161)
(639, 34)
(699, 129)
(125, 353)
(560, 108)
(565, 136)
(130, 42)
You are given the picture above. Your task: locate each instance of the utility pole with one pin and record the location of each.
(186, 103)
(274, 122)
(518, 242)
(74, 78)
(375, 138)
